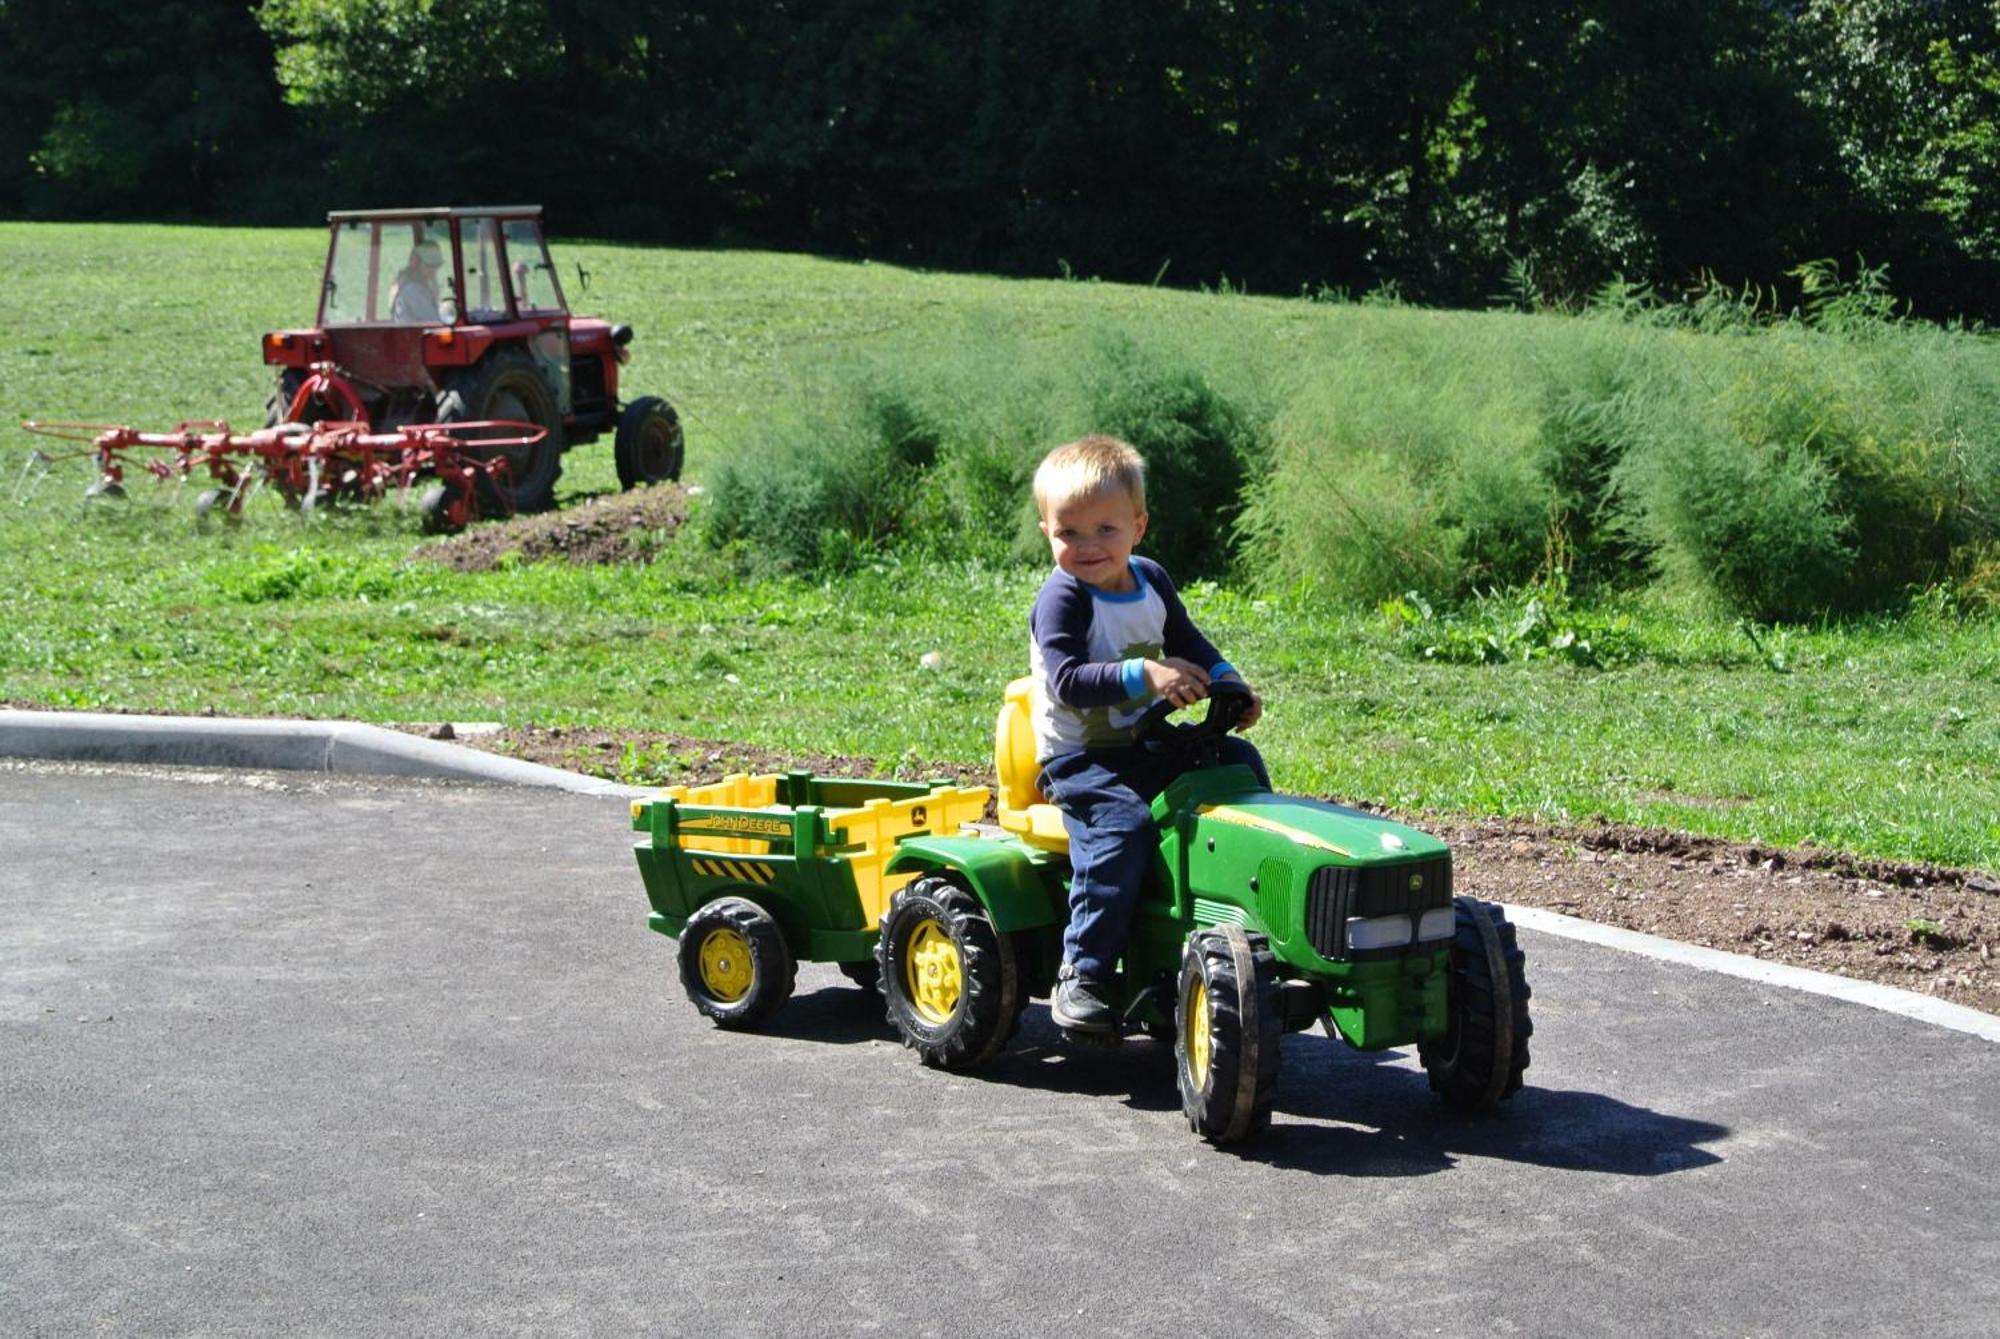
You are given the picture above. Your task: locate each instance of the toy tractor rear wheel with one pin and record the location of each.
(951, 980)
(1480, 1059)
(650, 446)
(507, 388)
(1228, 1025)
(735, 964)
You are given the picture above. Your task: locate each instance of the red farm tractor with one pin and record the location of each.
(456, 316)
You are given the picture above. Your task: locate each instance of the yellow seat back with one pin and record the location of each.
(1019, 802)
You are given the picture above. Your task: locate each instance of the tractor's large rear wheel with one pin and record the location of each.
(1481, 1057)
(1228, 1022)
(505, 387)
(951, 980)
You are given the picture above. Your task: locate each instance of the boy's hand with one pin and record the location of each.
(1181, 682)
(1252, 713)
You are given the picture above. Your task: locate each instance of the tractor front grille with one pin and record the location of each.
(1338, 892)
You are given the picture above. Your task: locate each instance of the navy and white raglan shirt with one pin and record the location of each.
(1087, 648)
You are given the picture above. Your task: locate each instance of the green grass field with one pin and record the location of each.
(1879, 736)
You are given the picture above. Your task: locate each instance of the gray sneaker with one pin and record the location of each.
(1079, 1004)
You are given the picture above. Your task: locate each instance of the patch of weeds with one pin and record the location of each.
(1537, 622)
(641, 765)
(1929, 934)
(1775, 656)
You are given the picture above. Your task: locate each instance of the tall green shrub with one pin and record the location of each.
(1404, 456)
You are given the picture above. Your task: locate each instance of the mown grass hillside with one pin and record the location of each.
(862, 430)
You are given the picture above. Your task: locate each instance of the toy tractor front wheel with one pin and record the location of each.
(951, 980)
(735, 964)
(1480, 1058)
(1228, 1022)
(650, 446)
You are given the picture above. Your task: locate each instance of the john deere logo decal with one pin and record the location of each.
(920, 817)
(743, 871)
(1416, 883)
(774, 827)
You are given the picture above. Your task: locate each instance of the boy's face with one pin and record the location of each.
(1092, 536)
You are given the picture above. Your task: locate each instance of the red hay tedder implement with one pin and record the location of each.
(444, 350)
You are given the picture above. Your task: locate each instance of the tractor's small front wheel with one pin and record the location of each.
(735, 964)
(1484, 1051)
(951, 979)
(649, 447)
(1228, 1022)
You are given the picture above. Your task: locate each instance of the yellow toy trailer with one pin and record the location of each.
(743, 870)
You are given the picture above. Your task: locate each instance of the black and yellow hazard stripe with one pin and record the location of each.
(743, 871)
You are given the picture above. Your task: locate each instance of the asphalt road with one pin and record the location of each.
(283, 1054)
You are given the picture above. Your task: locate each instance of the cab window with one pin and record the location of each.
(534, 276)
(485, 288)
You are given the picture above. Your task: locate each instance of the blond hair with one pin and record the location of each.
(1087, 466)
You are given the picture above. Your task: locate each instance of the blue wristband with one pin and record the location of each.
(1133, 675)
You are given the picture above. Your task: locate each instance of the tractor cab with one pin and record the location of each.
(438, 267)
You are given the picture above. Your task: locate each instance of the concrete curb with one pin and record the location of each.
(307, 746)
(344, 746)
(1890, 999)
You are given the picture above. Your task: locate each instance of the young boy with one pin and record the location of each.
(1107, 636)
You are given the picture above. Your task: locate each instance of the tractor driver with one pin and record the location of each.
(413, 297)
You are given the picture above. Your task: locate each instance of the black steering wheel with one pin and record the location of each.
(1228, 699)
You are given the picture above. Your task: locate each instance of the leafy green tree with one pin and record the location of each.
(114, 110)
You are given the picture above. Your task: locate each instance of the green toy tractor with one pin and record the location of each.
(1263, 914)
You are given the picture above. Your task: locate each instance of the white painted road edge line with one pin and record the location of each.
(1890, 999)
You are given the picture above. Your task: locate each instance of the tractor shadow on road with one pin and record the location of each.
(1351, 1113)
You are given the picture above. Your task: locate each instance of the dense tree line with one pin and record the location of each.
(1452, 148)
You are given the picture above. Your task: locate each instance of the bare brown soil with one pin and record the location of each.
(602, 529)
(1919, 927)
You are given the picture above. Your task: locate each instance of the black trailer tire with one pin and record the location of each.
(952, 982)
(506, 387)
(1228, 1026)
(735, 964)
(650, 447)
(1480, 1059)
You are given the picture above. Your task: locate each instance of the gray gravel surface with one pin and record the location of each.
(313, 1055)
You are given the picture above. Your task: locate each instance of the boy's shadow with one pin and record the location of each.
(1344, 1112)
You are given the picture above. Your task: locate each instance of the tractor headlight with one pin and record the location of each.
(1366, 932)
(1437, 923)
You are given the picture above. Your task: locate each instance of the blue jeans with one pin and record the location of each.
(1106, 798)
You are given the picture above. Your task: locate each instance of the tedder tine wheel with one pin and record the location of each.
(1228, 1021)
(735, 964)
